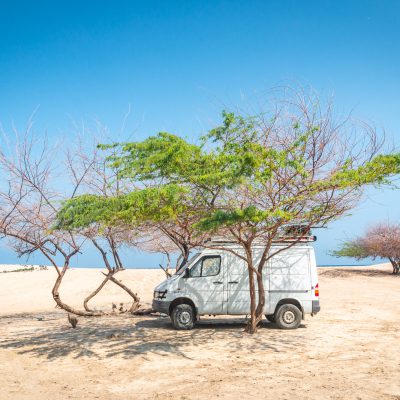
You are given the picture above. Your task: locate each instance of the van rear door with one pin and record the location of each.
(289, 276)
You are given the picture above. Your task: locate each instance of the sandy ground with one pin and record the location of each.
(27, 291)
(351, 350)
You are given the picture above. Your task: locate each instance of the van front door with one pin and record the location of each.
(206, 284)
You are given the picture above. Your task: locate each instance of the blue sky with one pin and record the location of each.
(178, 63)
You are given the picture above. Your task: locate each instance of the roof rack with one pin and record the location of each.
(300, 239)
(279, 239)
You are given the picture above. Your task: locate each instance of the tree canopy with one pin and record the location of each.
(249, 179)
(379, 241)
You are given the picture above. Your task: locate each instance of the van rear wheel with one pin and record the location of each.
(288, 316)
(270, 318)
(183, 317)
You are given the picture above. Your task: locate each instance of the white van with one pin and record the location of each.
(216, 282)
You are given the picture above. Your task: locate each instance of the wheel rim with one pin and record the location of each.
(289, 317)
(184, 317)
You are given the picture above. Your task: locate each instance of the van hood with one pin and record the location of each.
(168, 284)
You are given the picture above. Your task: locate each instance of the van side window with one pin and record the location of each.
(195, 271)
(211, 266)
(206, 266)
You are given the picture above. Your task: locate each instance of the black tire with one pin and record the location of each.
(288, 316)
(270, 318)
(183, 316)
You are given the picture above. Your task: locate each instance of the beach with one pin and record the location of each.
(350, 350)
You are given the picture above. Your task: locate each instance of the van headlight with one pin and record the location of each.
(160, 294)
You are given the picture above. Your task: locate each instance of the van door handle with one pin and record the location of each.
(218, 282)
(236, 282)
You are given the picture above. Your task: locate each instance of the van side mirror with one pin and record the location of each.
(187, 273)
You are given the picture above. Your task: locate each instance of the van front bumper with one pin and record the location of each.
(161, 306)
(316, 308)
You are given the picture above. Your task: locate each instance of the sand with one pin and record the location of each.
(351, 350)
(28, 291)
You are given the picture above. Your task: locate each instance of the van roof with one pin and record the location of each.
(257, 245)
(279, 241)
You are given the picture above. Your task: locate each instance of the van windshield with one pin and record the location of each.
(189, 262)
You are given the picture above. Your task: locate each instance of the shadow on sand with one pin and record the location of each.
(348, 272)
(50, 337)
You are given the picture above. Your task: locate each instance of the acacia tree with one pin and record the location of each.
(167, 159)
(254, 178)
(380, 241)
(150, 202)
(105, 240)
(100, 180)
(307, 170)
(30, 199)
(261, 175)
(156, 215)
(37, 181)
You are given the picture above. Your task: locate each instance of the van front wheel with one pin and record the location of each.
(288, 316)
(183, 317)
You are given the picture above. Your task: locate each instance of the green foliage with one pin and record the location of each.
(237, 175)
(161, 156)
(264, 167)
(353, 249)
(250, 214)
(230, 133)
(376, 171)
(134, 209)
(169, 158)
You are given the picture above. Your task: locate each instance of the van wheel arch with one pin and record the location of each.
(182, 300)
(290, 301)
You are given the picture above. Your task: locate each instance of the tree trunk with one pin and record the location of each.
(112, 271)
(110, 277)
(260, 285)
(95, 292)
(395, 266)
(261, 300)
(136, 300)
(252, 326)
(166, 271)
(256, 311)
(66, 307)
(185, 257)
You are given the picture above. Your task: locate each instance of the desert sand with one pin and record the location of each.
(351, 350)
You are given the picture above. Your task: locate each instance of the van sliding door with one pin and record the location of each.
(238, 284)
